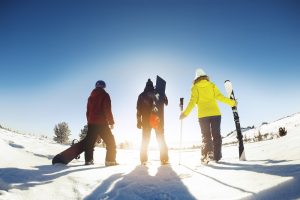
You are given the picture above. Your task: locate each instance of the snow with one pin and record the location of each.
(272, 171)
(271, 130)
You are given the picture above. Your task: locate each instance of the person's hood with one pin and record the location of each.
(203, 83)
(98, 91)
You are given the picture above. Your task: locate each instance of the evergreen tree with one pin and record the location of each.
(62, 133)
(83, 132)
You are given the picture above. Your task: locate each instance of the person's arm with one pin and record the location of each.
(219, 96)
(138, 113)
(87, 109)
(107, 110)
(192, 102)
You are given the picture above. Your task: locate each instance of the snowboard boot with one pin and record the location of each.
(89, 162)
(144, 163)
(217, 159)
(164, 162)
(111, 163)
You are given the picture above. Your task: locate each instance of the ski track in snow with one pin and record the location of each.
(272, 171)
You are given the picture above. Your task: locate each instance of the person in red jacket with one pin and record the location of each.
(100, 122)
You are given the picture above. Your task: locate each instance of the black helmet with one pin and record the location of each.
(100, 84)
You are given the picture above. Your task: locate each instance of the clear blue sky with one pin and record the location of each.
(52, 53)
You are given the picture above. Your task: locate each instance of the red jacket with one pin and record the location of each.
(99, 108)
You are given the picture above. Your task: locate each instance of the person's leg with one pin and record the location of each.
(160, 137)
(206, 136)
(217, 139)
(109, 140)
(89, 143)
(145, 143)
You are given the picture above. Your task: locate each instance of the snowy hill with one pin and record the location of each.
(266, 130)
(272, 171)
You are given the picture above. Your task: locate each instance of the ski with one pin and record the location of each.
(230, 93)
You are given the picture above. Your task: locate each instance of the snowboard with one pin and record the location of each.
(230, 93)
(160, 88)
(69, 154)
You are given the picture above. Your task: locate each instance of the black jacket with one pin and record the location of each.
(150, 101)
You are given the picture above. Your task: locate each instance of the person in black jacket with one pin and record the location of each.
(150, 104)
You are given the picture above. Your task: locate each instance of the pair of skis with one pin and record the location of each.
(230, 93)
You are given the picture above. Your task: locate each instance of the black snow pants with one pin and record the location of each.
(95, 132)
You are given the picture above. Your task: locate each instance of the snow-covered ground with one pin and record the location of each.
(269, 130)
(272, 171)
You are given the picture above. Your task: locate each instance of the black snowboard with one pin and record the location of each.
(160, 86)
(69, 154)
(156, 117)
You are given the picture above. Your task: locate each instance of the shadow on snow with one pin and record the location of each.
(286, 190)
(23, 179)
(139, 184)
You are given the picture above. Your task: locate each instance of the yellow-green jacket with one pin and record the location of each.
(204, 95)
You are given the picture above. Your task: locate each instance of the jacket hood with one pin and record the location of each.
(97, 91)
(202, 83)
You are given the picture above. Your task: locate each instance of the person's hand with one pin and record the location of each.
(182, 116)
(111, 126)
(139, 125)
(166, 100)
(236, 103)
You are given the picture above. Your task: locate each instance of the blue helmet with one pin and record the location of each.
(100, 84)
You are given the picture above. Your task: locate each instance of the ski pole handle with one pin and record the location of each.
(181, 104)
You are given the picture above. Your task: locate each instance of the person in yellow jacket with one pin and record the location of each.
(205, 94)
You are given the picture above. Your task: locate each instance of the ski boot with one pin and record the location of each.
(205, 159)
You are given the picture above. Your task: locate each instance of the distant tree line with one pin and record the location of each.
(8, 129)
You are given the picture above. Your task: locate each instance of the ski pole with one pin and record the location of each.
(180, 140)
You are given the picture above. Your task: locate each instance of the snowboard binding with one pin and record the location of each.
(74, 142)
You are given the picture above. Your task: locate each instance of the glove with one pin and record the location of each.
(236, 103)
(139, 125)
(182, 116)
